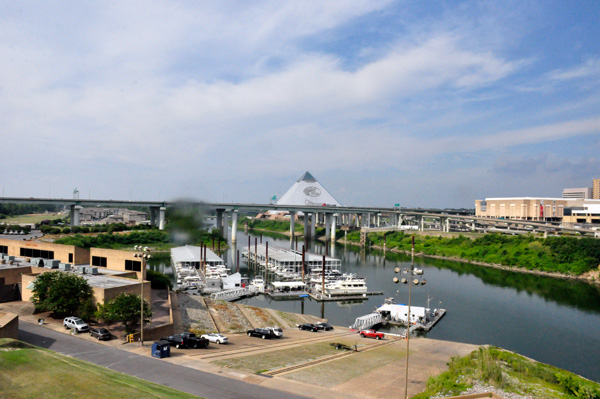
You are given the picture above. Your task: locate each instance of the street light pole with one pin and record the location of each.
(144, 256)
(412, 267)
(412, 272)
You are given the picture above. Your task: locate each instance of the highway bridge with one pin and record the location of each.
(367, 219)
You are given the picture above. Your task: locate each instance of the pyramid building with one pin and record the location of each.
(307, 191)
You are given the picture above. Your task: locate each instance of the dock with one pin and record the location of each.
(287, 295)
(317, 296)
(372, 319)
(423, 327)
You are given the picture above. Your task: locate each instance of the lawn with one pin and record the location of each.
(31, 372)
(33, 218)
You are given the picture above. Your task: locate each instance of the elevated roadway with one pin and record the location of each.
(358, 217)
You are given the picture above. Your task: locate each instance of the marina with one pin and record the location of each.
(486, 306)
(298, 274)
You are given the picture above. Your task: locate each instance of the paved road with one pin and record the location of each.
(185, 379)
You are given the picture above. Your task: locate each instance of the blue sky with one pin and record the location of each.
(422, 103)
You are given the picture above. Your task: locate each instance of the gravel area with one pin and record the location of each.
(194, 315)
(228, 317)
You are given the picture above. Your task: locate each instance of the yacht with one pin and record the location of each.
(351, 285)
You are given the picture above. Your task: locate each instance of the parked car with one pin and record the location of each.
(308, 327)
(75, 323)
(371, 334)
(260, 332)
(277, 331)
(193, 341)
(175, 340)
(100, 333)
(216, 338)
(324, 326)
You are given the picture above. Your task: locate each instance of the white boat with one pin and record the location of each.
(346, 286)
(258, 282)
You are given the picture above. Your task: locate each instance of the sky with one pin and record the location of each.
(421, 103)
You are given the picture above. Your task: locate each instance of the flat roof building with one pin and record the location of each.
(582, 193)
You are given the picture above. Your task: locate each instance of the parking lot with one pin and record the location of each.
(289, 364)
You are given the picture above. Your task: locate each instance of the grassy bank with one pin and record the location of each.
(33, 218)
(159, 240)
(566, 255)
(31, 372)
(508, 372)
(278, 226)
(156, 238)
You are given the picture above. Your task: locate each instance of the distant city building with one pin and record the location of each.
(583, 193)
(523, 208)
(93, 216)
(569, 211)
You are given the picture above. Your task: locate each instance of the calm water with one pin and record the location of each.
(550, 320)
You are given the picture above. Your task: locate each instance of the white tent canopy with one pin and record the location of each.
(307, 191)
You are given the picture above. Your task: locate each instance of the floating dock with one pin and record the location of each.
(317, 296)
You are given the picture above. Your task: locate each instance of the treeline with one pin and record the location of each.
(7, 210)
(116, 240)
(282, 226)
(54, 228)
(273, 225)
(566, 255)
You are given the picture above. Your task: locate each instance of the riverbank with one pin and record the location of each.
(306, 362)
(591, 277)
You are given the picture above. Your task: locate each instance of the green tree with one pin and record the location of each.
(63, 294)
(158, 280)
(126, 309)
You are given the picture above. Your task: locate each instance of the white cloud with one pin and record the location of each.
(262, 90)
(589, 68)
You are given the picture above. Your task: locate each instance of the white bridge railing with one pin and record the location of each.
(367, 321)
(233, 294)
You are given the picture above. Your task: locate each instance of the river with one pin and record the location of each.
(551, 320)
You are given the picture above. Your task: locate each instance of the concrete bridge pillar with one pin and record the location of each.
(306, 227)
(421, 223)
(161, 218)
(313, 228)
(153, 210)
(328, 226)
(226, 225)
(473, 225)
(333, 220)
(220, 220)
(234, 223)
(74, 213)
(292, 228)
